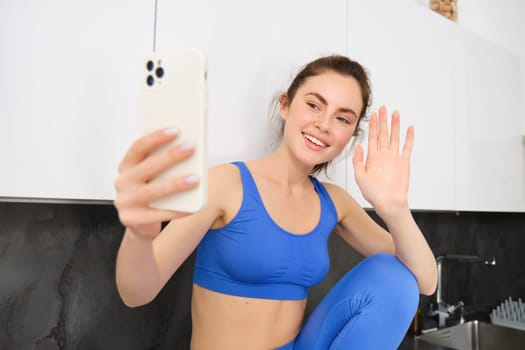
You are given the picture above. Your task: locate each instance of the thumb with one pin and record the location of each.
(357, 161)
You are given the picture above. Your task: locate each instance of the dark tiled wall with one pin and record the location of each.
(481, 287)
(57, 287)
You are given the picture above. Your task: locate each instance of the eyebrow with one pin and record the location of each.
(323, 100)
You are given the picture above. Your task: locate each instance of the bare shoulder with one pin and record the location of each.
(221, 177)
(344, 203)
(224, 191)
(338, 194)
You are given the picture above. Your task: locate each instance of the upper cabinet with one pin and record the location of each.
(462, 94)
(254, 49)
(408, 52)
(69, 94)
(71, 81)
(489, 150)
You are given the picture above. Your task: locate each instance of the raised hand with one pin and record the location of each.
(134, 190)
(384, 178)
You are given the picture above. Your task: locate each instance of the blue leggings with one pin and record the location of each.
(370, 308)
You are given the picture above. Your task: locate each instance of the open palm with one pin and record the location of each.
(384, 177)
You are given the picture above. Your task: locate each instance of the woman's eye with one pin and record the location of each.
(313, 106)
(344, 120)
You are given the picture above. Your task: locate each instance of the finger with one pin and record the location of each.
(357, 161)
(145, 145)
(383, 139)
(409, 142)
(160, 161)
(372, 133)
(142, 195)
(142, 216)
(394, 132)
(168, 187)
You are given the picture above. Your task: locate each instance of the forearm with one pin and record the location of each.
(137, 273)
(412, 249)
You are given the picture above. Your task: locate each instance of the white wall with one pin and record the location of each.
(500, 22)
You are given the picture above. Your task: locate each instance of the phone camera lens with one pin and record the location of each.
(150, 80)
(159, 72)
(149, 65)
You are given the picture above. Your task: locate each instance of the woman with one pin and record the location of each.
(261, 238)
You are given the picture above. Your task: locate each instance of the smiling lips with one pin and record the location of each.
(315, 140)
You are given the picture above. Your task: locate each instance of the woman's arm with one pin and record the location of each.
(403, 238)
(148, 257)
(412, 249)
(356, 227)
(144, 266)
(383, 180)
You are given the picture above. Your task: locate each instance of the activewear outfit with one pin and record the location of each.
(251, 256)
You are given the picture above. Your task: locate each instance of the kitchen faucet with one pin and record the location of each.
(442, 309)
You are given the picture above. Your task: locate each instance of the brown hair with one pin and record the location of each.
(338, 64)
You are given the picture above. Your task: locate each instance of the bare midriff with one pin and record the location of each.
(229, 322)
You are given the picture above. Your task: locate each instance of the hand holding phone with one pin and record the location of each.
(134, 189)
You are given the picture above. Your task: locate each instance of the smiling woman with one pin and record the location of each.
(261, 239)
(334, 65)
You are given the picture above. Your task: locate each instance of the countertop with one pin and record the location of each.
(411, 343)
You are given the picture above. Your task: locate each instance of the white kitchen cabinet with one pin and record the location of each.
(69, 94)
(254, 49)
(71, 81)
(462, 94)
(489, 150)
(409, 53)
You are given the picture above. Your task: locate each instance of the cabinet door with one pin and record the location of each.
(408, 52)
(254, 49)
(490, 153)
(69, 94)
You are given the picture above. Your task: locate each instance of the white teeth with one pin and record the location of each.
(314, 140)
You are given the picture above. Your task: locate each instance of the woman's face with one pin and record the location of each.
(322, 117)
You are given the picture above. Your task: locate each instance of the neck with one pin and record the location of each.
(285, 168)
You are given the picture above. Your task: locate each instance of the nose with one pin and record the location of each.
(322, 122)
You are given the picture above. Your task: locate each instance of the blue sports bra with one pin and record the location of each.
(252, 256)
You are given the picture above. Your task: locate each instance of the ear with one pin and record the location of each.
(283, 106)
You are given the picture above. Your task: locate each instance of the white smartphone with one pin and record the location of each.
(174, 94)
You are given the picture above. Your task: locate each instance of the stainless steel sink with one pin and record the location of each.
(476, 335)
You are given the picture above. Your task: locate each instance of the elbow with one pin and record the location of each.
(428, 279)
(427, 289)
(428, 285)
(130, 303)
(135, 301)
